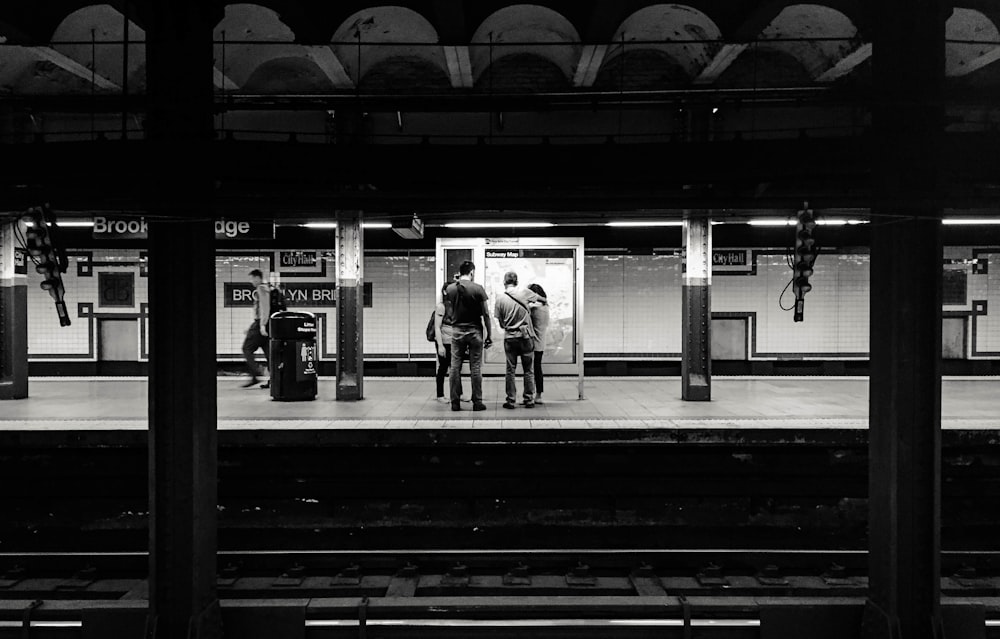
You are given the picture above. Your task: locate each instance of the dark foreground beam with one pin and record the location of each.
(182, 392)
(906, 277)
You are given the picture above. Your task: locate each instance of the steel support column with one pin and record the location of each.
(906, 278)
(350, 306)
(182, 344)
(696, 308)
(13, 316)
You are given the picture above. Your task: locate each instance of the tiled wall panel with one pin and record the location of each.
(633, 303)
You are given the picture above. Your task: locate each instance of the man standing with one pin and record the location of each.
(512, 313)
(468, 301)
(257, 333)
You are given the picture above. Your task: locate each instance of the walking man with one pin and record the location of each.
(511, 311)
(468, 301)
(257, 333)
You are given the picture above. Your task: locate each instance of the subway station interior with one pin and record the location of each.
(768, 236)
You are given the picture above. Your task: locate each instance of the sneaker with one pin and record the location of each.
(479, 407)
(443, 400)
(529, 405)
(266, 385)
(509, 405)
(253, 381)
(538, 400)
(456, 406)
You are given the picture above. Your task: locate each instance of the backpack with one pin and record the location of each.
(431, 333)
(277, 298)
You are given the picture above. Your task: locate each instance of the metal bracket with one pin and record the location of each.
(457, 576)
(26, 618)
(580, 576)
(836, 575)
(771, 576)
(363, 618)
(518, 576)
(711, 576)
(291, 578)
(80, 580)
(12, 577)
(686, 614)
(227, 576)
(349, 576)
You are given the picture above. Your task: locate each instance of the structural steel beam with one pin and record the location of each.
(13, 315)
(723, 59)
(330, 65)
(182, 377)
(696, 309)
(846, 64)
(70, 65)
(350, 306)
(904, 502)
(587, 68)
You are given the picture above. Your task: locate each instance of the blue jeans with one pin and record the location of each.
(523, 348)
(462, 336)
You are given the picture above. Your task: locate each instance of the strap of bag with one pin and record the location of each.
(531, 327)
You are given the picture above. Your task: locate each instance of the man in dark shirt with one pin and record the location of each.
(468, 300)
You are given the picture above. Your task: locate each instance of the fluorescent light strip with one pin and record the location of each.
(333, 225)
(498, 225)
(650, 223)
(971, 221)
(535, 623)
(76, 223)
(834, 221)
(42, 624)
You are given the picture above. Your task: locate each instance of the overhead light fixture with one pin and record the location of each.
(333, 225)
(410, 229)
(647, 223)
(76, 223)
(957, 221)
(497, 225)
(772, 222)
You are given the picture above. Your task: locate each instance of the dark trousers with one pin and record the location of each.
(539, 380)
(471, 338)
(444, 364)
(251, 343)
(519, 348)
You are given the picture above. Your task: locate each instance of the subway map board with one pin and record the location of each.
(552, 268)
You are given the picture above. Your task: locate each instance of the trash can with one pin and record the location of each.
(293, 356)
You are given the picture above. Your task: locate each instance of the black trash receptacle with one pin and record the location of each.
(293, 356)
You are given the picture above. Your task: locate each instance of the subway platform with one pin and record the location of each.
(609, 403)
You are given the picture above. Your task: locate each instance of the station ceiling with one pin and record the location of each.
(68, 60)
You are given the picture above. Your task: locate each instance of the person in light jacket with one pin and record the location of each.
(540, 320)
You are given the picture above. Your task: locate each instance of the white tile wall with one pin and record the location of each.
(633, 303)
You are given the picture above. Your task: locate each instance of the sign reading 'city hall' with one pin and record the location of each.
(111, 228)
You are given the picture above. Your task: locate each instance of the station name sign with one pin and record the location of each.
(301, 294)
(729, 258)
(121, 228)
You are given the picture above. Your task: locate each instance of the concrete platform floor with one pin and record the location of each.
(408, 403)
